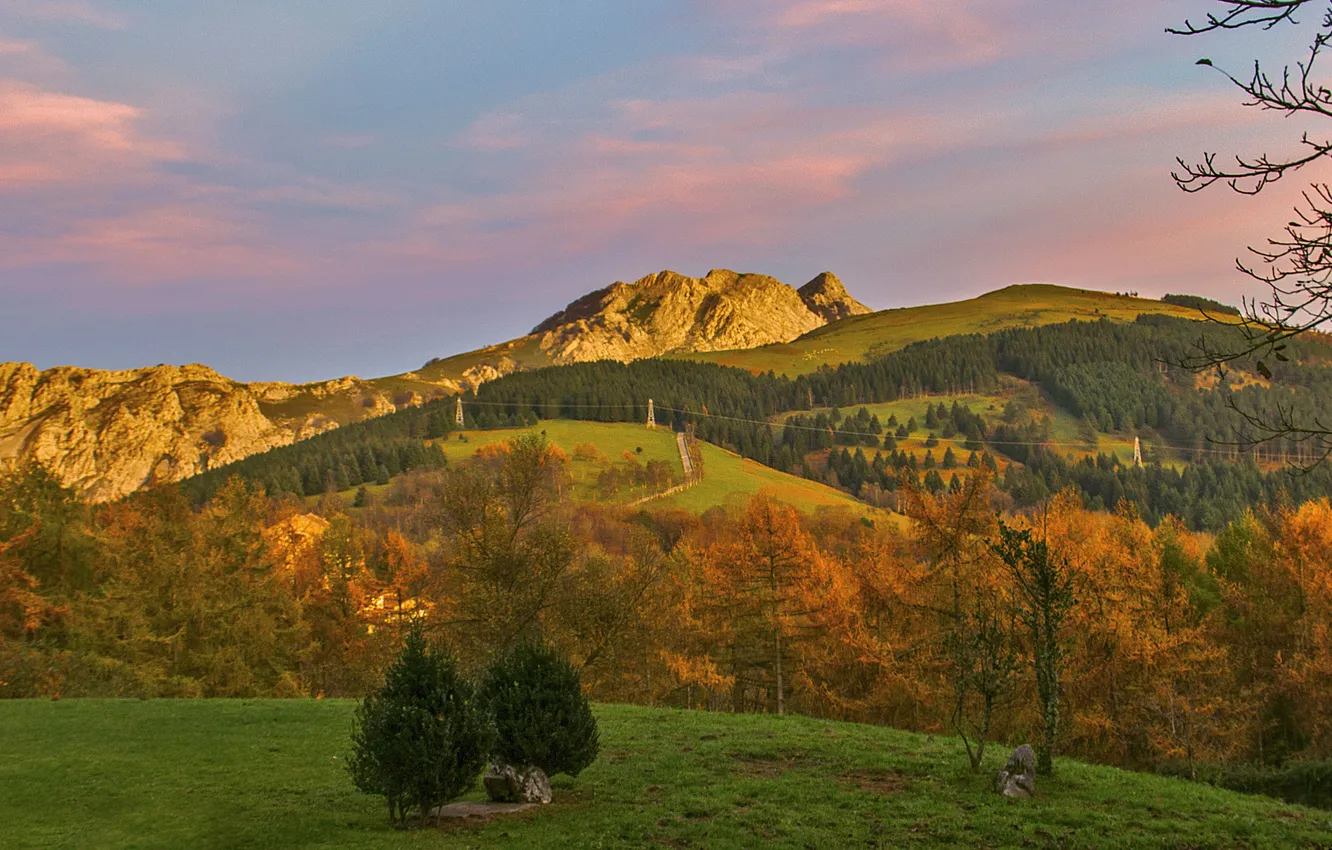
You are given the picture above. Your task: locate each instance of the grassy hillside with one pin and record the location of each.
(612, 440)
(220, 773)
(850, 339)
(523, 352)
(858, 337)
(1067, 436)
(727, 477)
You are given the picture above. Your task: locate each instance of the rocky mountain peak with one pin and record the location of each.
(107, 433)
(827, 297)
(670, 313)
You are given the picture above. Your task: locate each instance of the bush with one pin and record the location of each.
(1305, 782)
(535, 699)
(420, 740)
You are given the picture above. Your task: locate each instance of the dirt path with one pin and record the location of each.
(684, 456)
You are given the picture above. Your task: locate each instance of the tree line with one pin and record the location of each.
(1154, 647)
(1112, 375)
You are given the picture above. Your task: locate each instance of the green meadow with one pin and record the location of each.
(728, 479)
(1068, 438)
(859, 337)
(269, 773)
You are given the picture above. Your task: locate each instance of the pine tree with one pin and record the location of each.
(420, 740)
(541, 717)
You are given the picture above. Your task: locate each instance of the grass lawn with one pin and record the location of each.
(858, 337)
(269, 773)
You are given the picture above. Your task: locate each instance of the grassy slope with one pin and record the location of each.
(1065, 433)
(847, 340)
(855, 338)
(727, 477)
(216, 773)
(523, 351)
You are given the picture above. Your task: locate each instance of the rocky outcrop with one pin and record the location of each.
(668, 313)
(508, 784)
(1018, 776)
(827, 298)
(108, 433)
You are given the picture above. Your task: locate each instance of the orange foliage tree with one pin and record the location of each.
(765, 592)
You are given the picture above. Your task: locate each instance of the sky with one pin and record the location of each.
(303, 190)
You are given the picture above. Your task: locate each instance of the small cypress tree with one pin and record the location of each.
(420, 740)
(541, 717)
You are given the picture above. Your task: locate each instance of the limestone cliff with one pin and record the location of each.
(668, 313)
(107, 433)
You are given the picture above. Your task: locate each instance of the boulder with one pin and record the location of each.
(1018, 777)
(506, 783)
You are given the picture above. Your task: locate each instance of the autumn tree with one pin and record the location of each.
(1144, 682)
(976, 639)
(23, 613)
(508, 551)
(985, 659)
(354, 614)
(771, 585)
(1262, 625)
(190, 604)
(1044, 592)
(597, 620)
(52, 521)
(1306, 552)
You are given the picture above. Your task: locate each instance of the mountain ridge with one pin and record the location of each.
(108, 433)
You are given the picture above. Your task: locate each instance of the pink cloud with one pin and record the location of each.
(1147, 235)
(740, 168)
(51, 137)
(351, 141)
(921, 37)
(496, 131)
(911, 35)
(648, 175)
(157, 244)
(953, 24)
(89, 183)
(63, 11)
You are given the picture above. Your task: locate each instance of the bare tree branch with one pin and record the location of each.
(1296, 267)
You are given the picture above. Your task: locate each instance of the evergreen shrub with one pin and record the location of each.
(541, 717)
(420, 740)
